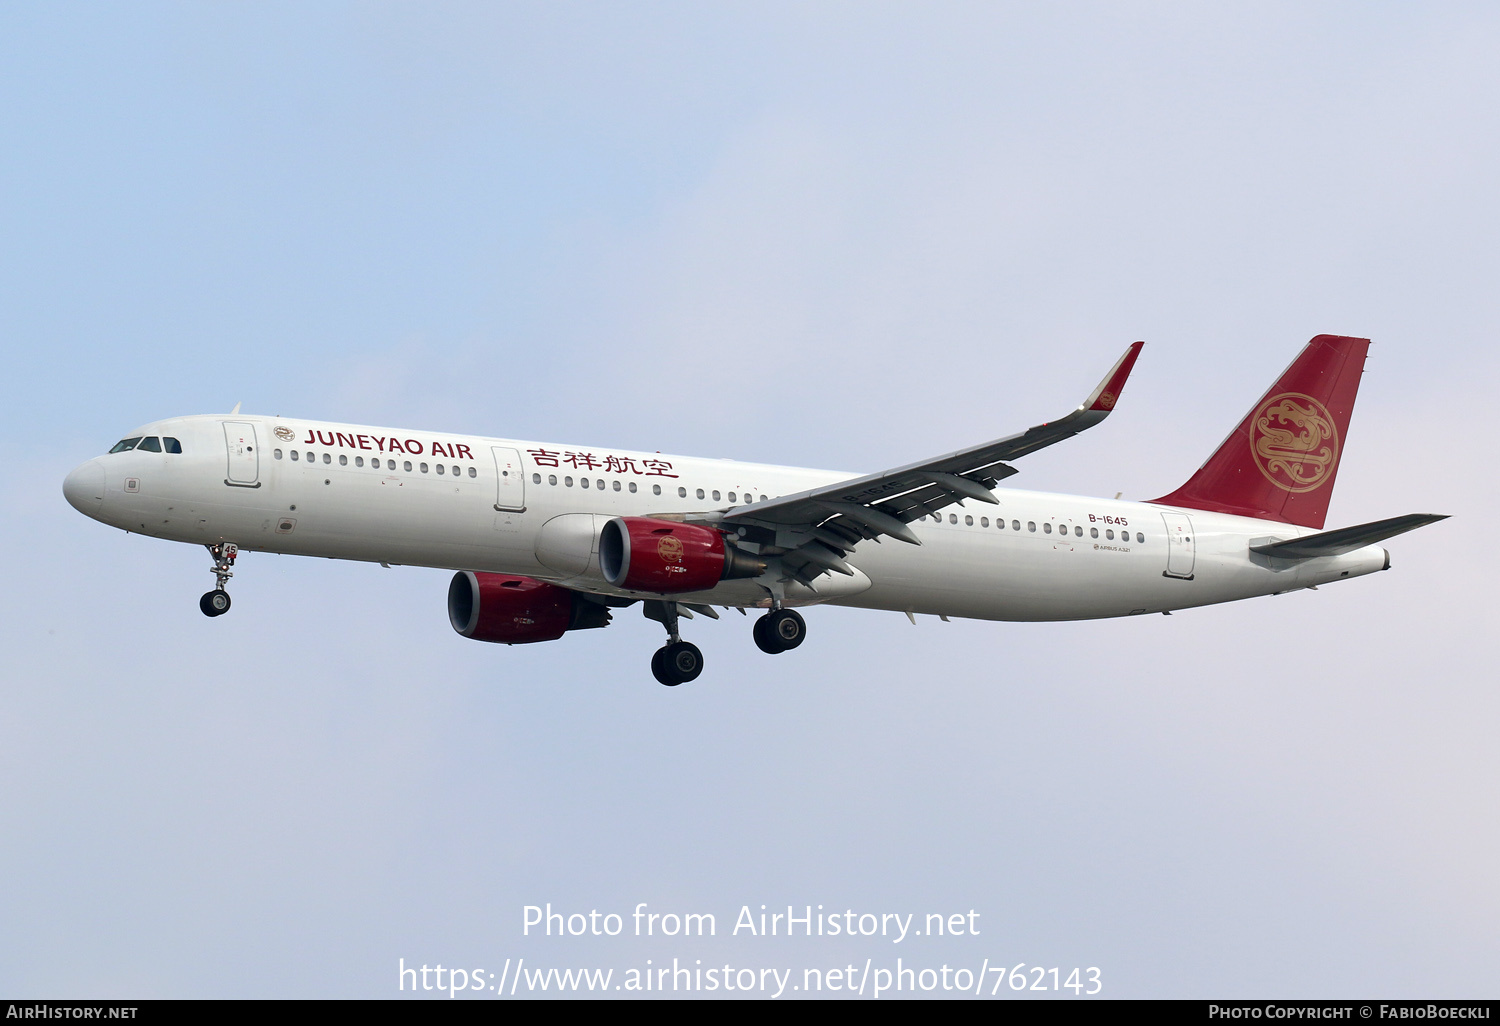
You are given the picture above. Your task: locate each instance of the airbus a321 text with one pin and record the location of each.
(548, 538)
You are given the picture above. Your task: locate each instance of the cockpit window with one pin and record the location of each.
(152, 444)
(126, 444)
(171, 445)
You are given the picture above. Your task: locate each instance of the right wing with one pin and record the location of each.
(813, 530)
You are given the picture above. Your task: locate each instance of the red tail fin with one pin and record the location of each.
(1279, 464)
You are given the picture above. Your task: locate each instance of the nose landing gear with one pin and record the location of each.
(216, 602)
(780, 630)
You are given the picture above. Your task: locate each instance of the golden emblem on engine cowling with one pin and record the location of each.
(669, 549)
(1294, 441)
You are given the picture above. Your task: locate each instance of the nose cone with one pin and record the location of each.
(84, 488)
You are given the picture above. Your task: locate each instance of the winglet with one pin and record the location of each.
(1104, 397)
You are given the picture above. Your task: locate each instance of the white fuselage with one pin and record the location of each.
(507, 506)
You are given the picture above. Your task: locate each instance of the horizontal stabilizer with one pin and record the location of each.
(1346, 539)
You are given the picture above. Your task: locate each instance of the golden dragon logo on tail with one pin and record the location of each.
(1294, 441)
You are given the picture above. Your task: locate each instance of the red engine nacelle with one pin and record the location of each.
(516, 610)
(641, 554)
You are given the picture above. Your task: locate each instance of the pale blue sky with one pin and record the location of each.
(844, 235)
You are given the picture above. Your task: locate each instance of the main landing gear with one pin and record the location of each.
(780, 630)
(678, 661)
(216, 602)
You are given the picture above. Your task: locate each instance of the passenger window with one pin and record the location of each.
(682, 493)
(473, 472)
(968, 521)
(632, 488)
(731, 497)
(390, 464)
(1015, 525)
(952, 518)
(172, 445)
(763, 499)
(984, 521)
(1046, 528)
(126, 444)
(1140, 538)
(1031, 526)
(617, 485)
(552, 479)
(310, 457)
(422, 467)
(583, 482)
(535, 478)
(568, 481)
(1077, 532)
(359, 461)
(277, 454)
(716, 495)
(457, 471)
(343, 460)
(152, 444)
(406, 466)
(329, 459)
(1093, 532)
(294, 455)
(700, 493)
(1109, 535)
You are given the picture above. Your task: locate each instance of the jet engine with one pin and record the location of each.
(643, 554)
(516, 610)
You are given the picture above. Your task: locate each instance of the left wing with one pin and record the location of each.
(812, 531)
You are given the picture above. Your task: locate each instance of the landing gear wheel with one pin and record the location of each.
(780, 631)
(764, 641)
(677, 663)
(659, 667)
(214, 603)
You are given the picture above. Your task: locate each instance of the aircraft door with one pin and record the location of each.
(1180, 549)
(244, 455)
(510, 487)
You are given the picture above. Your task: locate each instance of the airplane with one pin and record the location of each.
(547, 538)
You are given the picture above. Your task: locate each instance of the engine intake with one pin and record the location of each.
(643, 554)
(517, 610)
